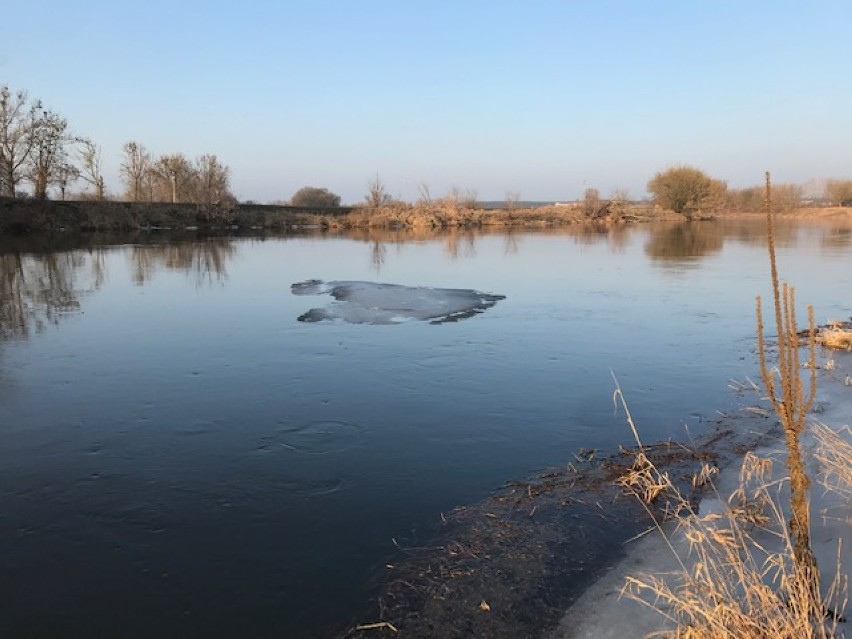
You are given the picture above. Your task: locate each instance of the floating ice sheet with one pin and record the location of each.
(374, 303)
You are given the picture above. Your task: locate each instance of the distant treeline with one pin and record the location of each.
(38, 149)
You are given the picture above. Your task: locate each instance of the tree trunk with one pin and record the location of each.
(9, 182)
(41, 185)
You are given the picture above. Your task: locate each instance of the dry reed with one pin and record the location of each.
(836, 338)
(834, 453)
(731, 584)
(747, 572)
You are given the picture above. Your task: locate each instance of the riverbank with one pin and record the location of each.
(32, 216)
(602, 612)
(47, 216)
(569, 538)
(508, 567)
(806, 213)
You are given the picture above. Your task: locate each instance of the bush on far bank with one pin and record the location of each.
(314, 197)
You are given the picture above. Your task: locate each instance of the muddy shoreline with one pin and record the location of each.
(510, 565)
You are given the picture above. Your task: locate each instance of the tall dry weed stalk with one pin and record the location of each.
(790, 402)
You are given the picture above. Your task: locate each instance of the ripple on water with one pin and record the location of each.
(316, 487)
(315, 438)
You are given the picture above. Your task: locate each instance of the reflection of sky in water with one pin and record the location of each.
(195, 426)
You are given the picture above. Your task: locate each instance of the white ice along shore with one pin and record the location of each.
(601, 613)
(375, 303)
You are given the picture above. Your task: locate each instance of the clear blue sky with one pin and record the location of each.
(542, 98)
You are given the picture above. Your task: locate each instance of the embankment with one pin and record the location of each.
(32, 216)
(27, 216)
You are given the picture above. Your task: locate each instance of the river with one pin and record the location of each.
(182, 457)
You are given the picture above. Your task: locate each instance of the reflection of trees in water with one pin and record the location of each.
(377, 255)
(36, 290)
(838, 237)
(685, 242)
(752, 230)
(206, 259)
(511, 243)
(618, 238)
(589, 234)
(97, 257)
(460, 242)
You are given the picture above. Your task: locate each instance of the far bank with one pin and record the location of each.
(35, 216)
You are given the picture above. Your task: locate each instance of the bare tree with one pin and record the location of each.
(618, 201)
(64, 175)
(470, 199)
(512, 199)
(839, 192)
(176, 170)
(425, 194)
(212, 180)
(458, 198)
(135, 169)
(49, 141)
(593, 205)
(16, 123)
(377, 195)
(620, 195)
(90, 166)
(149, 184)
(785, 197)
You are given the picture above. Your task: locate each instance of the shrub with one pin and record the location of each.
(311, 196)
(687, 190)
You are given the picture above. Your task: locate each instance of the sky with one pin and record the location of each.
(539, 98)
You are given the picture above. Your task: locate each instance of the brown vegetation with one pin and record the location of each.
(791, 405)
(732, 586)
(785, 198)
(834, 453)
(28, 215)
(839, 192)
(688, 191)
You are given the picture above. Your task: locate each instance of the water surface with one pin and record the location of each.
(182, 457)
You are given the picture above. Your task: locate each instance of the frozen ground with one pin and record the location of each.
(600, 613)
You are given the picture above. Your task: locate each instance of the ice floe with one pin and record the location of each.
(376, 303)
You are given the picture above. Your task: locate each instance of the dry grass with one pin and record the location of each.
(738, 575)
(442, 215)
(834, 453)
(748, 571)
(836, 338)
(731, 583)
